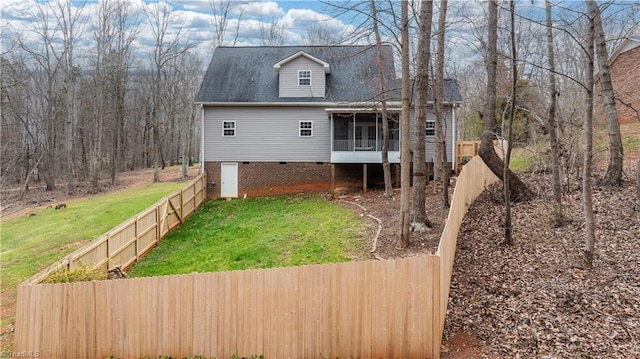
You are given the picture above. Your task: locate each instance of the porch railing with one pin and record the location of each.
(363, 145)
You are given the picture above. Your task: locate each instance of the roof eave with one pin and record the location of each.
(278, 66)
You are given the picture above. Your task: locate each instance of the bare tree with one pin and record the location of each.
(318, 34)
(441, 170)
(46, 89)
(405, 153)
(386, 166)
(419, 220)
(103, 130)
(519, 191)
(587, 200)
(167, 47)
(613, 176)
(222, 13)
(558, 219)
(508, 237)
(68, 20)
(271, 33)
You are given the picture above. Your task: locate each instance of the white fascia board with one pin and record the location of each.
(327, 68)
(628, 44)
(266, 104)
(329, 105)
(361, 109)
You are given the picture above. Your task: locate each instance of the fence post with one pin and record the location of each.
(108, 250)
(137, 239)
(204, 186)
(158, 229)
(180, 217)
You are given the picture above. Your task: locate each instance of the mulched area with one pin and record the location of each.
(386, 211)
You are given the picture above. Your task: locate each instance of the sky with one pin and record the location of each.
(195, 20)
(194, 17)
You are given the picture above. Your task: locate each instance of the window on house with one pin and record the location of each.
(306, 128)
(304, 77)
(228, 128)
(431, 128)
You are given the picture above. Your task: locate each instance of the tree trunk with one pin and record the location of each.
(558, 219)
(405, 155)
(386, 166)
(419, 220)
(613, 176)
(638, 185)
(441, 170)
(519, 191)
(508, 237)
(589, 225)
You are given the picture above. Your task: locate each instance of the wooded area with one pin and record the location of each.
(69, 117)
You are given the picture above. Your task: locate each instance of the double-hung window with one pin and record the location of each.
(306, 128)
(228, 128)
(304, 77)
(431, 128)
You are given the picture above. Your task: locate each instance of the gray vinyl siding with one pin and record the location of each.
(267, 134)
(430, 140)
(289, 78)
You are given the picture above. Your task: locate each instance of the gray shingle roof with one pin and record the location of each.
(246, 74)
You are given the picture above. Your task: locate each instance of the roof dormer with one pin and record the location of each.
(302, 75)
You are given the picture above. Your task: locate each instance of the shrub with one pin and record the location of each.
(84, 273)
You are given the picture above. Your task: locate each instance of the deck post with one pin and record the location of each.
(333, 181)
(364, 177)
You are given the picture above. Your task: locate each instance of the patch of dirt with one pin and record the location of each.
(387, 210)
(464, 345)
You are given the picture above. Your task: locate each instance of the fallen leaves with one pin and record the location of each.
(534, 300)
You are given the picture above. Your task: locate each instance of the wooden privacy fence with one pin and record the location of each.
(124, 245)
(369, 309)
(465, 150)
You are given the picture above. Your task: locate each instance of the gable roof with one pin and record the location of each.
(450, 91)
(628, 44)
(246, 74)
(327, 67)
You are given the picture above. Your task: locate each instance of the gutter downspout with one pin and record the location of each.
(453, 137)
(202, 131)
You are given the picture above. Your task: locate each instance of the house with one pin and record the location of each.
(292, 118)
(625, 75)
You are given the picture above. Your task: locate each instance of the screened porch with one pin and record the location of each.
(357, 137)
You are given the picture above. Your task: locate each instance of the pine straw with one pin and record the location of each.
(534, 300)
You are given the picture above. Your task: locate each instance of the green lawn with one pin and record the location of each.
(258, 233)
(32, 243)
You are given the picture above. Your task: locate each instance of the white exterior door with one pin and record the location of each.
(229, 180)
(365, 136)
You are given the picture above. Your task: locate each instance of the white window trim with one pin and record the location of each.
(299, 78)
(300, 129)
(431, 128)
(235, 129)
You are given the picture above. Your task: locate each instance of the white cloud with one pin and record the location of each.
(260, 9)
(193, 17)
(194, 5)
(303, 19)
